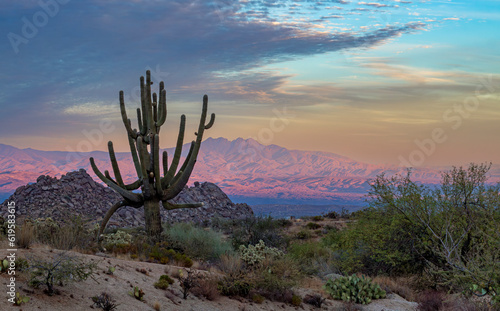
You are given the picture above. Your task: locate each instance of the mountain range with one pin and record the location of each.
(245, 170)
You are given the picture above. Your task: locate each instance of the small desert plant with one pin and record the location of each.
(317, 218)
(4, 265)
(332, 215)
(19, 299)
(354, 289)
(104, 302)
(303, 235)
(137, 293)
(314, 300)
(258, 298)
(296, 300)
(164, 282)
(254, 255)
(188, 279)
(157, 306)
(232, 286)
(61, 268)
(111, 270)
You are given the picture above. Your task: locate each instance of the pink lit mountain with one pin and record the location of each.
(242, 168)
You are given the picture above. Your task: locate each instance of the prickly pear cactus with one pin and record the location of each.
(354, 289)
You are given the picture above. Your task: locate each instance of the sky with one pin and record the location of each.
(412, 83)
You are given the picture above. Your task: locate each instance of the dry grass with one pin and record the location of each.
(157, 306)
(25, 235)
(230, 264)
(400, 285)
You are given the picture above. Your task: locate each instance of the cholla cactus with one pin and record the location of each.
(255, 254)
(116, 239)
(354, 289)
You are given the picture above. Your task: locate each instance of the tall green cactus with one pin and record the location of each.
(154, 186)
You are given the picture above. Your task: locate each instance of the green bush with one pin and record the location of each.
(312, 226)
(164, 282)
(312, 257)
(303, 235)
(196, 242)
(354, 289)
(253, 229)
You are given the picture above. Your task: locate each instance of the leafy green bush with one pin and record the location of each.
(312, 257)
(453, 227)
(196, 242)
(303, 235)
(161, 254)
(354, 289)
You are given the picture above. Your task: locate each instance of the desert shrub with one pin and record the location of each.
(403, 286)
(283, 222)
(312, 226)
(164, 282)
(188, 279)
(275, 278)
(207, 287)
(25, 235)
(431, 301)
(314, 300)
(303, 234)
(257, 298)
(253, 229)
(232, 286)
(254, 255)
(196, 242)
(296, 300)
(57, 270)
(104, 301)
(317, 218)
(354, 289)
(453, 226)
(66, 236)
(332, 215)
(309, 255)
(161, 254)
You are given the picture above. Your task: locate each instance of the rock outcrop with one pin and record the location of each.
(76, 193)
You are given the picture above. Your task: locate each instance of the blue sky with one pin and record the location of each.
(379, 81)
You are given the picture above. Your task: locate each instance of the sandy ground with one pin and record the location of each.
(76, 296)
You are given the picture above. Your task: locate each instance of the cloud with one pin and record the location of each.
(374, 4)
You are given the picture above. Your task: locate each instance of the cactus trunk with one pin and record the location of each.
(153, 219)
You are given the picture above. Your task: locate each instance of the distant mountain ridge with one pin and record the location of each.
(242, 168)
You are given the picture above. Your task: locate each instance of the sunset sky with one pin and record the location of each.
(374, 81)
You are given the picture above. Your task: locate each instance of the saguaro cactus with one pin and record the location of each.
(154, 186)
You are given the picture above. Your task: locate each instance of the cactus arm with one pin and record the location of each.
(125, 118)
(106, 218)
(149, 104)
(114, 164)
(211, 122)
(139, 119)
(144, 159)
(156, 159)
(135, 158)
(165, 163)
(106, 173)
(170, 206)
(178, 152)
(184, 165)
(162, 106)
(132, 197)
(143, 107)
(155, 113)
